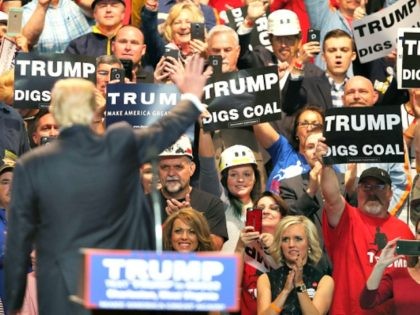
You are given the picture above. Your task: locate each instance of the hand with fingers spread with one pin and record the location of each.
(255, 10)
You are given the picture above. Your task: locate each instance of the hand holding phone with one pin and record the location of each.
(314, 35)
(14, 22)
(254, 218)
(408, 247)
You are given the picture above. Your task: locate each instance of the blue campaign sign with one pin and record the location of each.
(139, 104)
(116, 279)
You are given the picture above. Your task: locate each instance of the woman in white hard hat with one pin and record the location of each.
(242, 185)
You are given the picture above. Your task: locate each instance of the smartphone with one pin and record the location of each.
(117, 74)
(314, 35)
(170, 52)
(254, 218)
(197, 31)
(216, 61)
(408, 247)
(46, 140)
(14, 22)
(128, 67)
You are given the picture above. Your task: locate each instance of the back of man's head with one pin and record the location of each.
(73, 101)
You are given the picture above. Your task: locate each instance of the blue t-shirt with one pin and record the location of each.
(287, 162)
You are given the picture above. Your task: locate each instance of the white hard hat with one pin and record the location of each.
(236, 155)
(180, 148)
(283, 23)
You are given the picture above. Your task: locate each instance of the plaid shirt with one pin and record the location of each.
(62, 24)
(337, 91)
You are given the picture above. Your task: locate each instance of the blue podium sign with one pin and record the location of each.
(123, 279)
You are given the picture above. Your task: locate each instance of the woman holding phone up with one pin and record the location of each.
(253, 245)
(297, 287)
(400, 284)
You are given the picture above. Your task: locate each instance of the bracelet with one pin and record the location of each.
(275, 308)
(249, 23)
(298, 66)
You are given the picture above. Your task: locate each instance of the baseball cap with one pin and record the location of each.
(180, 148)
(283, 23)
(377, 173)
(95, 2)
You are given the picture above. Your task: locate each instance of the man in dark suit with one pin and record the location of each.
(83, 190)
(325, 91)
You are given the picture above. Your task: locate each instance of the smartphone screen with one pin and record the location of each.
(14, 23)
(197, 31)
(117, 74)
(254, 218)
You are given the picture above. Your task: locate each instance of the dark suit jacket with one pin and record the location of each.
(82, 190)
(307, 90)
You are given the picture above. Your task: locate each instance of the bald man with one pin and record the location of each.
(358, 92)
(129, 44)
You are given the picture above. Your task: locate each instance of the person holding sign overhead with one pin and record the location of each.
(359, 92)
(84, 189)
(354, 237)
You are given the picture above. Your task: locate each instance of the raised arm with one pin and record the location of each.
(265, 134)
(35, 25)
(333, 200)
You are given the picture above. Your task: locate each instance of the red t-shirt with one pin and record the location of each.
(354, 246)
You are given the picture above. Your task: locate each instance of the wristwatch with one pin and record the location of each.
(301, 288)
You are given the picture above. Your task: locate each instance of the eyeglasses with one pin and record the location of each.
(369, 187)
(306, 124)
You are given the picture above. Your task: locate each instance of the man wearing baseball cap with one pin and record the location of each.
(354, 237)
(109, 15)
(176, 167)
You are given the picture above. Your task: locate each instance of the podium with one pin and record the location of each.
(143, 280)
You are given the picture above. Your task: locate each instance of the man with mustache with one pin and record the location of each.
(176, 167)
(353, 235)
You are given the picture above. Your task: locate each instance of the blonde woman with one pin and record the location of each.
(297, 287)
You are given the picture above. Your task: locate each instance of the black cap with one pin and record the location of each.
(377, 173)
(95, 2)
